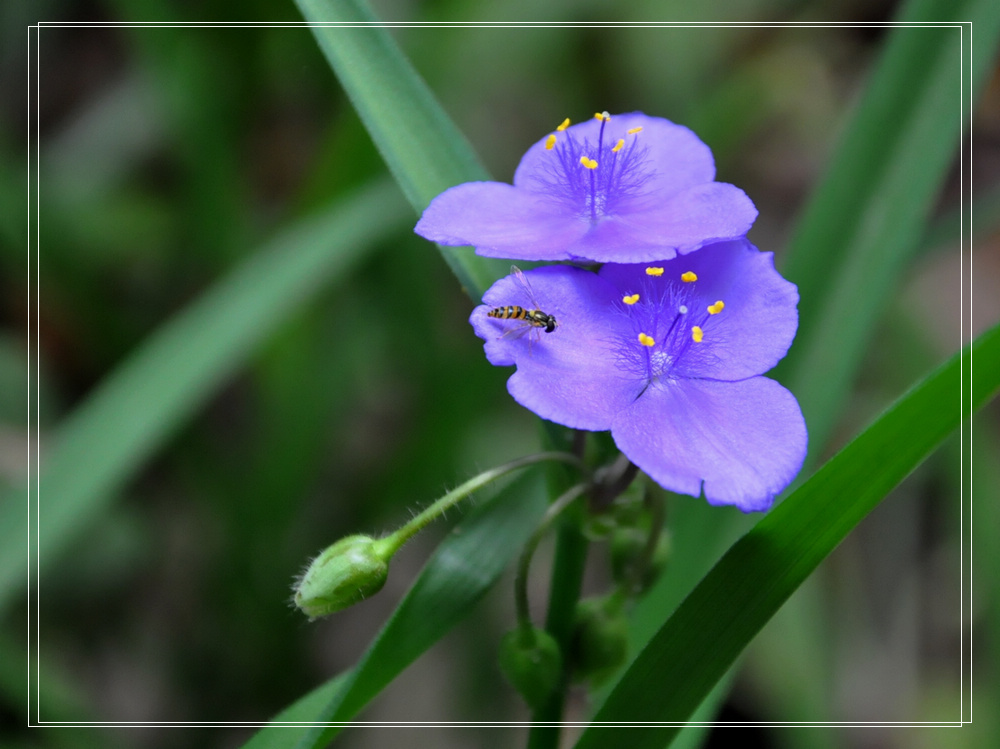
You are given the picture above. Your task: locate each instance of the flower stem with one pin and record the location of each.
(657, 514)
(521, 579)
(391, 543)
(564, 592)
(612, 481)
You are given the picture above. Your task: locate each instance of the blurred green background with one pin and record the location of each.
(167, 157)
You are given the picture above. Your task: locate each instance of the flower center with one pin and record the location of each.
(669, 323)
(594, 178)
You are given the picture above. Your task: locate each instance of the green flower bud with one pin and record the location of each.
(599, 527)
(600, 638)
(628, 565)
(531, 661)
(628, 506)
(349, 571)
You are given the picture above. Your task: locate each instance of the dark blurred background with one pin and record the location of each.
(168, 155)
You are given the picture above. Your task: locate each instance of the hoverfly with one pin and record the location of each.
(533, 318)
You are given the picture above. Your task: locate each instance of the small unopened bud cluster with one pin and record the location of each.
(530, 659)
(600, 639)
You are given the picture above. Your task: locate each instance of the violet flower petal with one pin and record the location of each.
(739, 442)
(698, 216)
(570, 375)
(500, 220)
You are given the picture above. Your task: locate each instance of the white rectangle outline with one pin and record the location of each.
(33, 461)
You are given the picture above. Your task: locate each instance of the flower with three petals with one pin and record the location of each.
(669, 358)
(624, 188)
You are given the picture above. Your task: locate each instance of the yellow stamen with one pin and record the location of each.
(697, 334)
(564, 125)
(716, 308)
(550, 143)
(602, 116)
(689, 277)
(589, 163)
(654, 271)
(634, 130)
(618, 145)
(630, 299)
(645, 340)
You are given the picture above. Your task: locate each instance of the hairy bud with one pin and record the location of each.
(345, 573)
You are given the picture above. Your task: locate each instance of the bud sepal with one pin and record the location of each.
(600, 638)
(530, 660)
(352, 569)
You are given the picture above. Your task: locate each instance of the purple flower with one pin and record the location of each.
(668, 356)
(624, 189)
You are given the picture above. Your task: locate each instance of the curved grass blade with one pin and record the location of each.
(866, 218)
(107, 438)
(696, 646)
(462, 569)
(282, 735)
(422, 147)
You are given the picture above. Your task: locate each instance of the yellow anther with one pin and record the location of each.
(619, 145)
(716, 308)
(689, 277)
(697, 334)
(630, 299)
(651, 271)
(564, 125)
(602, 116)
(646, 340)
(550, 143)
(589, 163)
(634, 130)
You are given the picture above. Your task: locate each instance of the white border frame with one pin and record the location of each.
(34, 198)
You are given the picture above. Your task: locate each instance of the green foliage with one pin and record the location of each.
(866, 217)
(106, 438)
(425, 152)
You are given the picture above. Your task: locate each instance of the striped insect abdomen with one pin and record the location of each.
(512, 312)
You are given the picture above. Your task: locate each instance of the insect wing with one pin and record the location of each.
(520, 330)
(528, 324)
(522, 281)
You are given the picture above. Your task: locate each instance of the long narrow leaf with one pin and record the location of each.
(103, 442)
(282, 735)
(423, 148)
(758, 574)
(866, 218)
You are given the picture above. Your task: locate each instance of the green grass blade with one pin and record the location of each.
(422, 147)
(462, 569)
(303, 710)
(867, 217)
(709, 630)
(107, 438)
